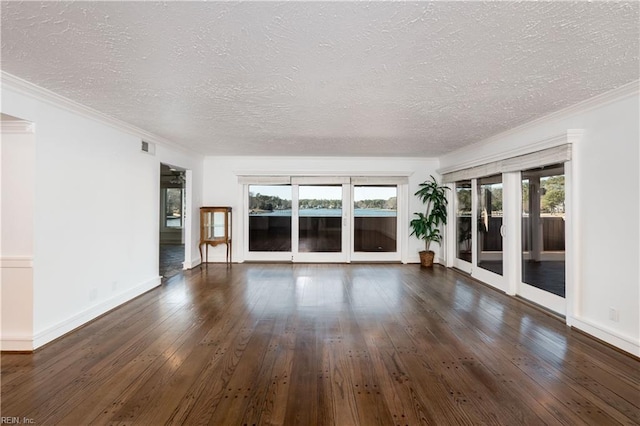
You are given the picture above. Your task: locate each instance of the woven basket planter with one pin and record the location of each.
(426, 258)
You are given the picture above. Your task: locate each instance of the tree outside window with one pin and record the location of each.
(173, 207)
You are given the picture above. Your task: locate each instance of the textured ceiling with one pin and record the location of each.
(323, 78)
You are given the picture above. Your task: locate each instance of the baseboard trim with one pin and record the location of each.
(625, 343)
(22, 343)
(78, 320)
(192, 263)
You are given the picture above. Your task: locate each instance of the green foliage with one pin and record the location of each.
(173, 203)
(259, 202)
(426, 226)
(319, 204)
(553, 198)
(390, 204)
(267, 202)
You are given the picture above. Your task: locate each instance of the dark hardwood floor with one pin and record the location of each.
(171, 259)
(282, 344)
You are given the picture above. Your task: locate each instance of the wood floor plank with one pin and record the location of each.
(289, 344)
(276, 394)
(302, 401)
(547, 363)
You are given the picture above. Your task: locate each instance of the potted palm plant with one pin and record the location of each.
(426, 226)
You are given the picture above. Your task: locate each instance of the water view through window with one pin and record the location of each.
(269, 218)
(320, 221)
(375, 218)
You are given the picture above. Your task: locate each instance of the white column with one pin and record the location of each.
(17, 182)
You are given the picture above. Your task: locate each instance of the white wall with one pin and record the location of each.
(96, 220)
(221, 184)
(607, 180)
(16, 248)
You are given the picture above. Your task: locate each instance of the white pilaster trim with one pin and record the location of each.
(16, 127)
(16, 262)
(16, 343)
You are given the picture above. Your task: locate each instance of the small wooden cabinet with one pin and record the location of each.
(215, 229)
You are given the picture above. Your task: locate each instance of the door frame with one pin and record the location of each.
(482, 274)
(553, 302)
(560, 148)
(458, 263)
(401, 213)
(320, 257)
(348, 182)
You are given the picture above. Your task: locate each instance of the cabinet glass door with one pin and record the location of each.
(219, 222)
(207, 226)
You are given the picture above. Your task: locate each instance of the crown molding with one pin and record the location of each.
(622, 92)
(617, 94)
(27, 88)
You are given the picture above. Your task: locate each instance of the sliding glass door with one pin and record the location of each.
(530, 260)
(375, 223)
(320, 225)
(489, 220)
(270, 221)
(315, 219)
(542, 277)
(297, 222)
(464, 232)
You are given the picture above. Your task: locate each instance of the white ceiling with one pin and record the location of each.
(323, 78)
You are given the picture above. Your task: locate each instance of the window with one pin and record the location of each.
(464, 245)
(270, 218)
(375, 211)
(173, 205)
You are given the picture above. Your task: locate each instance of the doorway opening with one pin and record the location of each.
(172, 220)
